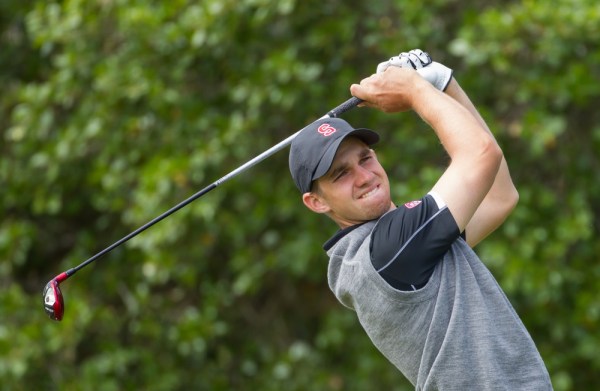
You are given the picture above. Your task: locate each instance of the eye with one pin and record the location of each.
(340, 175)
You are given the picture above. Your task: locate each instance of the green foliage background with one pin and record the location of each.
(112, 111)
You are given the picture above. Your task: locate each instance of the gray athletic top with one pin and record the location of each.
(457, 332)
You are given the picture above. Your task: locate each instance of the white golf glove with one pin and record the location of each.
(435, 73)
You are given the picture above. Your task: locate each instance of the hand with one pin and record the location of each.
(437, 74)
(392, 91)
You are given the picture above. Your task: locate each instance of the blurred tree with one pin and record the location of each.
(113, 111)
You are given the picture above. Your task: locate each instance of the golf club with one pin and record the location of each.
(53, 298)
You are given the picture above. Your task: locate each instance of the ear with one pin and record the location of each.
(315, 203)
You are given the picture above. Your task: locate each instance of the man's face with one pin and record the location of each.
(356, 187)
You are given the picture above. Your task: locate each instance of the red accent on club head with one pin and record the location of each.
(53, 300)
(61, 277)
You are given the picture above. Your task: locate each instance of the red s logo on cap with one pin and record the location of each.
(326, 130)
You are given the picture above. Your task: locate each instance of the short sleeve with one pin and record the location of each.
(409, 241)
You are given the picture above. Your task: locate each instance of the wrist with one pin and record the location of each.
(422, 93)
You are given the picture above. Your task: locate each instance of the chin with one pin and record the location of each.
(379, 210)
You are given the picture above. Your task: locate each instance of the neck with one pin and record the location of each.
(343, 223)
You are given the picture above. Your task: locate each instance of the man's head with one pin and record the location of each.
(338, 174)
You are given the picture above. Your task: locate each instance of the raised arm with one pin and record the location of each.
(475, 155)
(502, 197)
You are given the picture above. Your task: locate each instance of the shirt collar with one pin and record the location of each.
(338, 235)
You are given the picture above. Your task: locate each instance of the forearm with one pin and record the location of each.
(459, 130)
(502, 196)
(457, 93)
(503, 188)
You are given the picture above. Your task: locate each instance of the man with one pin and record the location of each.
(420, 292)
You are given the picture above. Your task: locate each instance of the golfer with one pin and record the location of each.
(408, 270)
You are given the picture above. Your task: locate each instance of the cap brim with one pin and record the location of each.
(368, 136)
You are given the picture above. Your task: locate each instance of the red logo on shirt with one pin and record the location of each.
(326, 130)
(412, 204)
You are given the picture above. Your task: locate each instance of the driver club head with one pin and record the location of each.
(53, 300)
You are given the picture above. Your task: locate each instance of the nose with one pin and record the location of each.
(362, 176)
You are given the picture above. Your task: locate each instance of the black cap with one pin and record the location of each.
(314, 148)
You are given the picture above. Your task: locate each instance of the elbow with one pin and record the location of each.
(506, 204)
(504, 191)
(492, 156)
(508, 190)
(512, 199)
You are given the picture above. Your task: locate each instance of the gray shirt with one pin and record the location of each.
(458, 332)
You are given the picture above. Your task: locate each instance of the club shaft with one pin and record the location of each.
(144, 227)
(347, 105)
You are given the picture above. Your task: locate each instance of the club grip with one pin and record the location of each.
(347, 105)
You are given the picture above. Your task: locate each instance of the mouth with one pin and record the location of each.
(369, 193)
